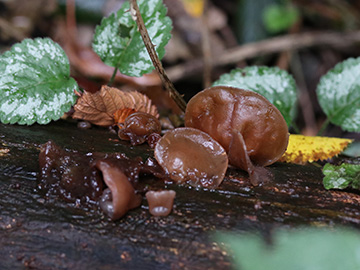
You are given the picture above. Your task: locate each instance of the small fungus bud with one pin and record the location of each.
(160, 202)
(138, 127)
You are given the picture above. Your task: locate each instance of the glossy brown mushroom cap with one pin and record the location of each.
(120, 197)
(160, 202)
(190, 155)
(223, 111)
(138, 127)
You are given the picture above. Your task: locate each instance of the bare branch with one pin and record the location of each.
(273, 45)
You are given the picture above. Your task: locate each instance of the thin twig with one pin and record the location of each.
(273, 45)
(155, 59)
(304, 98)
(206, 48)
(71, 26)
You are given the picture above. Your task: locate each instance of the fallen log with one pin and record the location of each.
(49, 233)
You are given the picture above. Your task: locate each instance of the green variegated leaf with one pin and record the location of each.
(275, 84)
(339, 94)
(119, 44)
(35, 83)
(342, 176)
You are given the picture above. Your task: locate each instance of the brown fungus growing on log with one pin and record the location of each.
(79, 178)
(251, 129)
(138, 127)
(120, 196)
(190, 155)
(68, 174)
(160, 202)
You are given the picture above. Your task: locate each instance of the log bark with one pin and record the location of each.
(41, 233)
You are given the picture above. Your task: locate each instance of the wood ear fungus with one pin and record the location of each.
(138, 127)
(120, 196)
(68, 174)
(190, 155)
(160, 202)
(251, 129)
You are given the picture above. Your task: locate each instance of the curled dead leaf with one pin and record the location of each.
(302, 149)
(109, 105)
(121, 114)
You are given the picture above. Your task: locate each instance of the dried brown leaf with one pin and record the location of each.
(121, 114)
(99, 108)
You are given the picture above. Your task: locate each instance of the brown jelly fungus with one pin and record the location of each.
(138, 127)
(160, 202)
(68, 174)
(120, 195)
(251, 129)
(190, 155)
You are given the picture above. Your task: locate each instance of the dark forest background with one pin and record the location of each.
(306, 38)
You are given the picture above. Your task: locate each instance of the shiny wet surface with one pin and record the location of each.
(48, 233)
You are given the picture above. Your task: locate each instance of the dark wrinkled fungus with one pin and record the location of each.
(68, 174)
(160, 202)
(190, 155)
(78, 178)
(152, 139)
(251, 129)
(120, 196)
(138, 127)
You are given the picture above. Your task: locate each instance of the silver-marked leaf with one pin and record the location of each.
(35, 83)
(275, 84)
(119, 44)
(342, 176)
(339, 94)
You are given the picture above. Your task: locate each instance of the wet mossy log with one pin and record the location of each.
(42, 233)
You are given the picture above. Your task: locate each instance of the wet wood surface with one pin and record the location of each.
(38, 233)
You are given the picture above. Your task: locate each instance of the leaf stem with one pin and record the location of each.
(134, 9)
(113, 77)
(295, 127)
(323, 127)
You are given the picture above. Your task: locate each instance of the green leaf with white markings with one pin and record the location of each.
(342, 176)
(275, 84)
(35, 83)
(119, 44)
(339, 94)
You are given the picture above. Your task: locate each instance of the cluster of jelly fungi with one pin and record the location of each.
(249, 127)
(223, 125)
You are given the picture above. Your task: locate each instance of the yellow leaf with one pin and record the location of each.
(302, 149)
(194, 7)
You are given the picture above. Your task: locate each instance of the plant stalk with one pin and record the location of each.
(323, 127)
(135, 12)
(113, 77)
